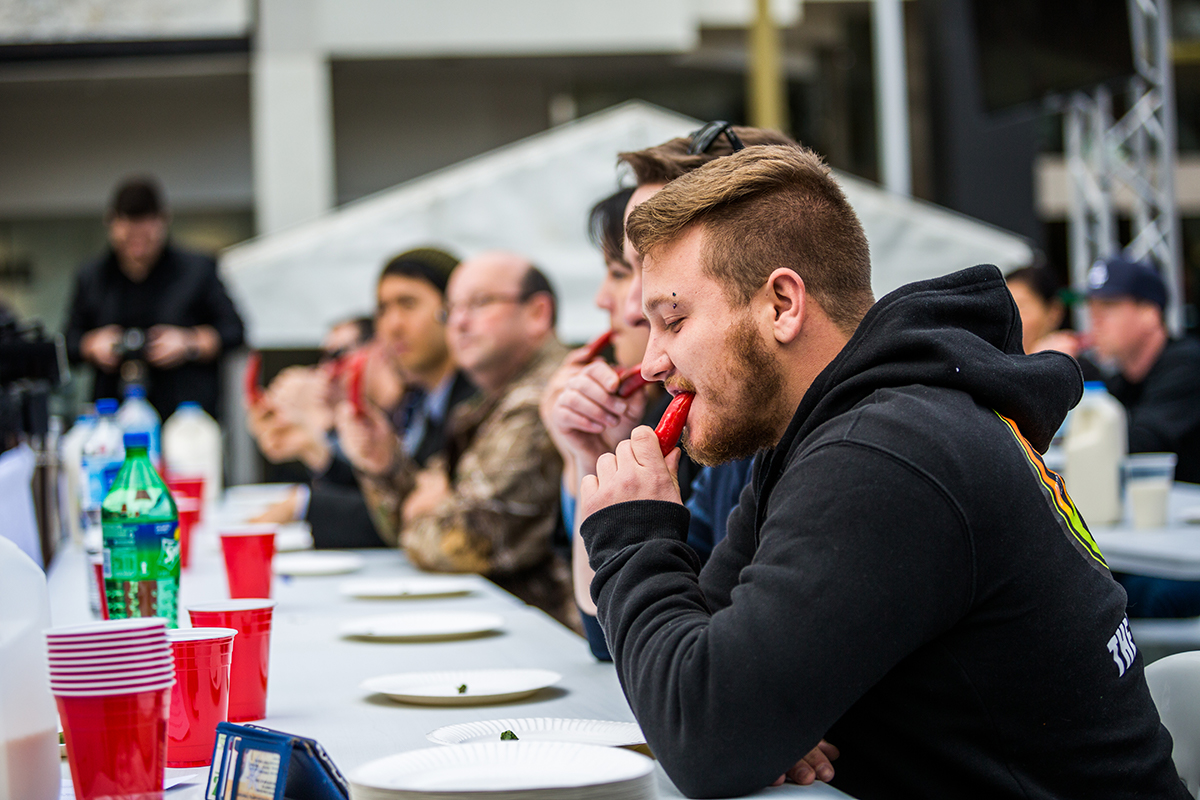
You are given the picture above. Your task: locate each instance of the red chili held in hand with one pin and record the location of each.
(253, 391)
(670, 427)
(356, 365)
(630, 380)
(596, 345)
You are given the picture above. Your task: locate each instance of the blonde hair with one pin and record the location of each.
(665, 162)
(763, 208)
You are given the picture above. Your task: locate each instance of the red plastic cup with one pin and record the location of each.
(97, 567)
(189, 516)
(200, 697)
(251, 618)
(248, 551)
(116, 743)
(182, 485)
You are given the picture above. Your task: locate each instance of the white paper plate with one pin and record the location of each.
(415, 587)
(316, 563)
(424, 626)
(291, 537)
(503, 767)
(254, 491)
(543, 729)
(442, 688)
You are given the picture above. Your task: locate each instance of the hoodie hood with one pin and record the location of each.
(961, 331)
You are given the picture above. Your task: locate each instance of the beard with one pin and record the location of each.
(748, 405)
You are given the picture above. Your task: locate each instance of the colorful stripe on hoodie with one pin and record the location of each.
(1056, 492)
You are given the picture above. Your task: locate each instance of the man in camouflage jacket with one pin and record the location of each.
(489, 502)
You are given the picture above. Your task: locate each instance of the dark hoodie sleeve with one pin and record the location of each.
(859, 561)
(222, 314)
(731, 554)
(81, 316)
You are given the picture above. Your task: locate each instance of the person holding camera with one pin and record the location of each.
(148, 312)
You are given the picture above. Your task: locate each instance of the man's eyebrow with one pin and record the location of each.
(655, 302)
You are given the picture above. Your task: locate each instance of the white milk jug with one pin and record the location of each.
(192, 446)
(1094, 449)
(73, 483)
(29, 760)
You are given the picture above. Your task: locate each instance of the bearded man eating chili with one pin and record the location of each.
(903, 576)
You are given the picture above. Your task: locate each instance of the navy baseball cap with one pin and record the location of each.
(1117, 276)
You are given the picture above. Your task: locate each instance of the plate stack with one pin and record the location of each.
(122, 656)
(507, 770)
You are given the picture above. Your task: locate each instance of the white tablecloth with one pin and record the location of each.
(315, 675)
(1170, 552)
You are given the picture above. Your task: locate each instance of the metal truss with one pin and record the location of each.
(1133, 158)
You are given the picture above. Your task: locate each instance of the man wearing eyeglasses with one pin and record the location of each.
(489, 502)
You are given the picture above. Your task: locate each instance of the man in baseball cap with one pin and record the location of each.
(1157, 379)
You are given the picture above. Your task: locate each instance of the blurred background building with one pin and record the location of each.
(260, 115)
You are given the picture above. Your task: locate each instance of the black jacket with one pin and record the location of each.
(902, 577)
(182, 289)
(1164, 407)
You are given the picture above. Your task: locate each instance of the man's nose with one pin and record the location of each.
(633, 301)
(656, 364)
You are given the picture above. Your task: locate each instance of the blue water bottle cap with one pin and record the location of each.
(106, 406)
(138, 439)
(1094, 386)
(135, 390)
(188, 405)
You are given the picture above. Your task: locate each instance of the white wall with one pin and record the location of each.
(65, 143)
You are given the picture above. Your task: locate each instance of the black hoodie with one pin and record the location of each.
(902, 577)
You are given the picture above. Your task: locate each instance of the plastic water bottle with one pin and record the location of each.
(29, 760)
(73, 485)
(141, 540)
(1094, 449)
(136, 415)
(192, 446)
(103, 454)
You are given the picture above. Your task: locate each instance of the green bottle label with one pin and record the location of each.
(141, 551)
(141, 569)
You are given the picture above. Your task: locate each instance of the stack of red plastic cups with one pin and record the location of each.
(112, 682)
(188, 493)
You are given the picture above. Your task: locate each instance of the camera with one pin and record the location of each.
(32, 364)
(132, 345)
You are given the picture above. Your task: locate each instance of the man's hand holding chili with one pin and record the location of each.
(588, 418)
(367, 438)
(636, 471)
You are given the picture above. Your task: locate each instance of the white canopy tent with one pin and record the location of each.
(532, 197)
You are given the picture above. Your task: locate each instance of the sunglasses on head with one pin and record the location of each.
(702, 139)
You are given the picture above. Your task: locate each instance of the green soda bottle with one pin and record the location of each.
(141, 540)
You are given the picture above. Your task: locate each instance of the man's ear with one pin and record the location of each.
(541, 309)
(786, 298)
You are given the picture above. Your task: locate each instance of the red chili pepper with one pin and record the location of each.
(670, 427)
(253, 391)
(630, 380)
(335, 367)
(356, 365)
(599, 343)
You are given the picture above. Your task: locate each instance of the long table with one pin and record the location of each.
(1169, 552)
(315, 674)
